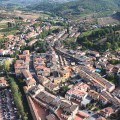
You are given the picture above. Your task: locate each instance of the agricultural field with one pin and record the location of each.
(107, 20)
(5, 31)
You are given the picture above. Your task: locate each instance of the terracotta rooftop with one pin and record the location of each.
(3, 80)
(79, 90)
(26, 52)
(101, 118)
(27, 74)
(51, 117)
(30, 82)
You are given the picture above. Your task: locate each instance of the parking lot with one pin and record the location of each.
(8, 110)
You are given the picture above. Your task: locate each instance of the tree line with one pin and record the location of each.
(106, 38)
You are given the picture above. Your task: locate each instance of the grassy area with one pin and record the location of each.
(8, 31)
(56, 27)
(36, 25)
(3, 25)
(4, 30)
(87, 33)
(72, 39)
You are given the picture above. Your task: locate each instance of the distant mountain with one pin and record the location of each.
(26, 2)
(67, 7)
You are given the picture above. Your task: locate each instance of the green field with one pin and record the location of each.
(87, 33)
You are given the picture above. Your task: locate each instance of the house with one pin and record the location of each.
(112, 99)
(19, 66)
(93, 94)
(2, 52)
(27, 74)
(64, 109)
(81, 116)
(96, 79)
(106, 112)
(51, 117)
(43, 80)
(116, 68)
(3, 82)
(42, 70)
(103, 99)
(24, 57)
(98, 97)
(109, 68)
(94, 53)
(54, 88)
(26, 52)
(100, 118)
(30, 83)
(77, 92)
(22, 63)
(86, 100)
(32, 42)
(65, 74)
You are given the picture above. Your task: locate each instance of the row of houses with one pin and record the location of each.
(28, 78)
(22, 63)
(91, 76)
(100, 88)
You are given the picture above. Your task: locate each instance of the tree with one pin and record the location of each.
(1, 66)
(6, 65)
(9, 24)
(108, 45)
(115, 46)
(17, 97)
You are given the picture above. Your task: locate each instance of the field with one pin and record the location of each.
(23, 14)
(107, 20)
(4, 31)
(26, 15)
(87, 33)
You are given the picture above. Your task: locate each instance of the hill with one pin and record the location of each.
(78, 7)
(88, 6)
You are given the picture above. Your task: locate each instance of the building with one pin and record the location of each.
(78, 92)
(100, 118)
(29, 80)
(22, 63)
(98, 97)
(61, 107)
(19, 66)
(106, 112)
(99, 82)
(3, 82)
(27, 75)
(30, 83)
(94, 53)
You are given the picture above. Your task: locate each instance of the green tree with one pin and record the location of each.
(6, 65)
(108, 45)
(1, 66)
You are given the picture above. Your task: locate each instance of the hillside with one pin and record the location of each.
(88, 6)
(78, 7)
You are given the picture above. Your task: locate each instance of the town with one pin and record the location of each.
(42, 67)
